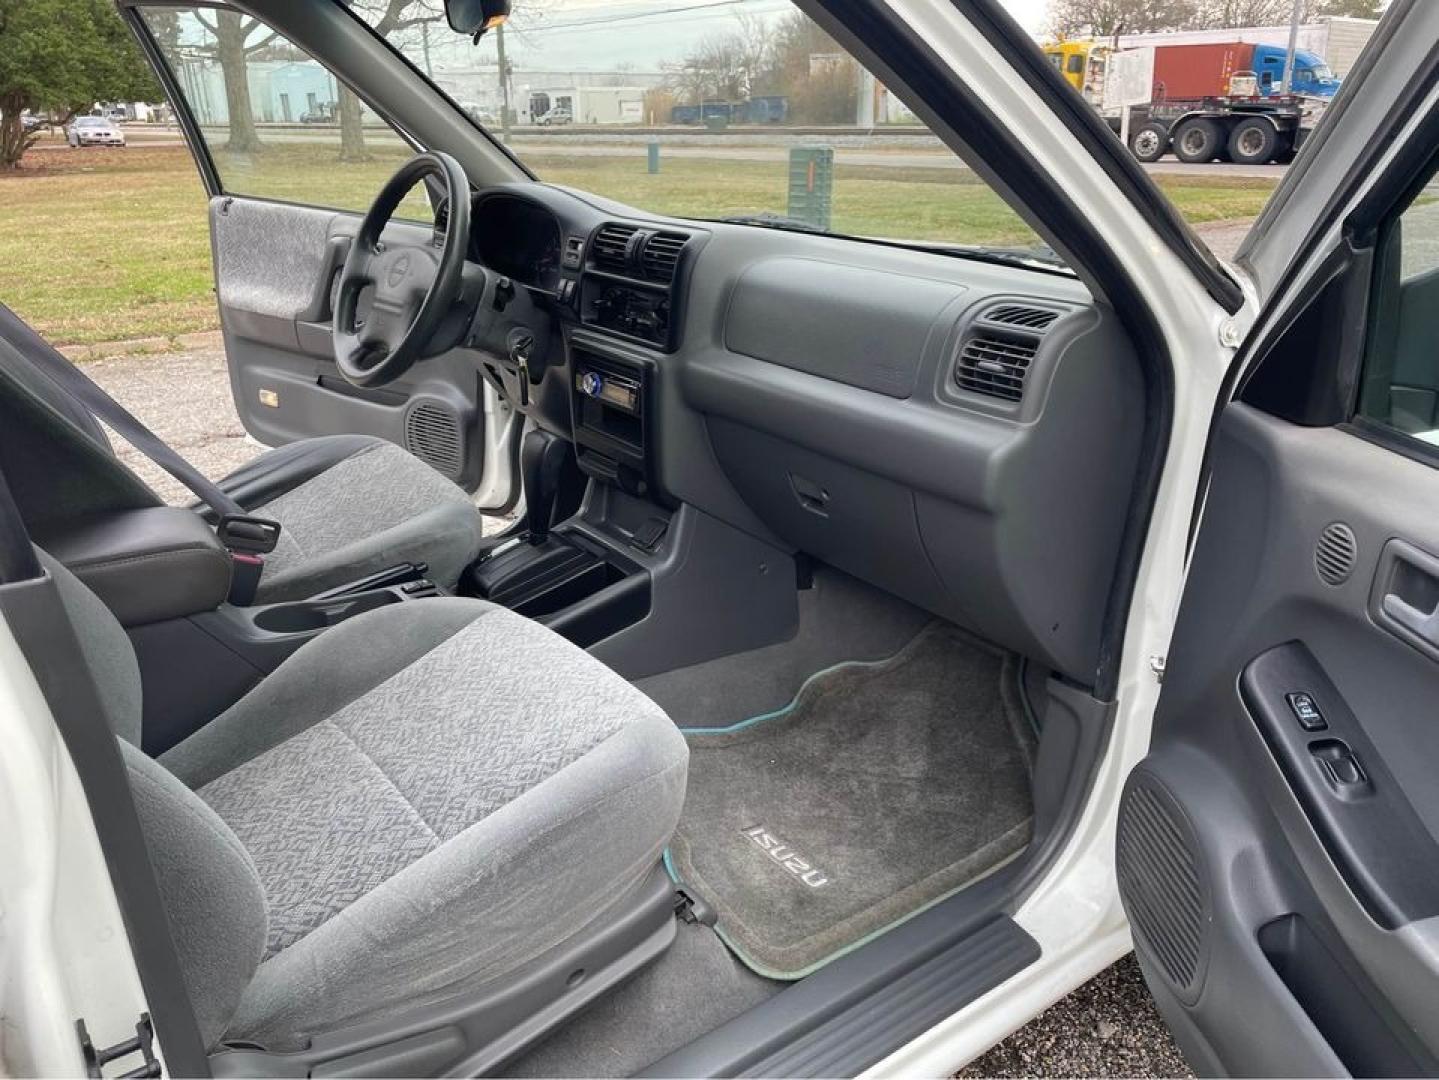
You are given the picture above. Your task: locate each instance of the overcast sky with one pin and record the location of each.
(599, 35)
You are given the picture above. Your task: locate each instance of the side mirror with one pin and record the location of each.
(474, 17)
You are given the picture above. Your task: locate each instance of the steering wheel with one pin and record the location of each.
(414, 285)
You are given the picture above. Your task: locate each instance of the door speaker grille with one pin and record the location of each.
(432, 434)
(1335, 553)
(1160, 882)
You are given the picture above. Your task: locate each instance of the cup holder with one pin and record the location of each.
(308, 616)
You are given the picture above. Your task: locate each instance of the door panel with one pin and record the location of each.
(275, 272)
(1283, 883)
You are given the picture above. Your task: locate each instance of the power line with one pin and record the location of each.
(546, 28)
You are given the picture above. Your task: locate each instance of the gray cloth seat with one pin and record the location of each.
(348, 505)
(416, 804)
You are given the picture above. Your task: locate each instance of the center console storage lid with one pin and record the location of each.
(148, 564)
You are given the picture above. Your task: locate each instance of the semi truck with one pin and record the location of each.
(1208, 100)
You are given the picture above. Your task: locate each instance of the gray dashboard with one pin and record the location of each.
(960, 433)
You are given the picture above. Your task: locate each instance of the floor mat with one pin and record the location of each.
(880, 789)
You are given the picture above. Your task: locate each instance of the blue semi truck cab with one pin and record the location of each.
(1312, 77)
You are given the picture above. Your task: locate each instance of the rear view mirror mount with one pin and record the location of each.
(474, 17)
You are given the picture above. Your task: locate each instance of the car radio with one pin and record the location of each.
(611, 416)
(617, 390)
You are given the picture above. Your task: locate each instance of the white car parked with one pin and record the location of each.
(94, 131)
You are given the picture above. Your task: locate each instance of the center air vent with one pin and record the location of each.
(610, 248)
(1022, 315)
(661, 256)
(995, 365)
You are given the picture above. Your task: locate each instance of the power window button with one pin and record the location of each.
(1305, 710)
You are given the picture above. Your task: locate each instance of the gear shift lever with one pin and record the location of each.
(542, 456)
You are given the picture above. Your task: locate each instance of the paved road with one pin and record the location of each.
(882, 151)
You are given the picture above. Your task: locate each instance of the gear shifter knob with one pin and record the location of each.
(542, 456)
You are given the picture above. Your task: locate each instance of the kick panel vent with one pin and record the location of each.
(661, 255)
(995, 366)
(432, 434)
(1160, 881)
(610, 248)
(1335, 553)
(1022, 315)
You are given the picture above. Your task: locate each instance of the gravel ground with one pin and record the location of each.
(1224, 237)
(1108, 1027)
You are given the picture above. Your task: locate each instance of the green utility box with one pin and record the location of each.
(811, 184)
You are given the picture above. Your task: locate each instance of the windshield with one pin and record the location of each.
(91, 121)
(708, 109)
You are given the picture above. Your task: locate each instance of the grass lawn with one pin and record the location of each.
(106, 245)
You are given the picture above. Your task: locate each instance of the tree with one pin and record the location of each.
(728, 65)
(1106, 18)
(1352, 9)
(386, 17)
(813, 70)
(60, 57)
(234, 40)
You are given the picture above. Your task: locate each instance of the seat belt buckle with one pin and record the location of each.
(245, 571)
(242, 532)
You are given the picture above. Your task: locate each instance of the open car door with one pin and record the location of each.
(1278, 849)
(288, 185)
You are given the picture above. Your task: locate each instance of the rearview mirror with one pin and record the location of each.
(474, 17)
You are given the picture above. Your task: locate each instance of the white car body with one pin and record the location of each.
(94, 131)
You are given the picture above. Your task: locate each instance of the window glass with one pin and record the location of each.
(1401, 382)
(277, 123)
(1076, 64)
(743, 108)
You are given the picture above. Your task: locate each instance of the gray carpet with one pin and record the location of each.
(840, 619)
(693, 988)
(882, 788)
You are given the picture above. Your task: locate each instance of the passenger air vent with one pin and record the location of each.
(995, 366)
(1021, 315)
(661, 256)
(610, 248)
(1161, 882)
(432, 434)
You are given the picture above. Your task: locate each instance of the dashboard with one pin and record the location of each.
(960, 433)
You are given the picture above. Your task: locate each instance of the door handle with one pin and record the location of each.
(1406, 616)
(1405, 597)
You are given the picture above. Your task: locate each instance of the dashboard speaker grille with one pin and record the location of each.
(432, 434)
(1160, 881)
(994, 366)
(1335, 553)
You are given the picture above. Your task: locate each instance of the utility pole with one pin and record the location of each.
(864, 99)
(1294, 11)
(504, 81)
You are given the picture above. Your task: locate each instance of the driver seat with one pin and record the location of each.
(348, 505)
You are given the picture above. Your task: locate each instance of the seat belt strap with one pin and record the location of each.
(238, 529)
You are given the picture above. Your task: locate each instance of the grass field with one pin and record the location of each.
(105, 245)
